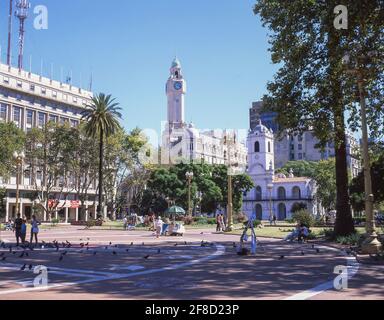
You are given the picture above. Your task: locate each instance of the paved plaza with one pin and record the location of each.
(135, 265)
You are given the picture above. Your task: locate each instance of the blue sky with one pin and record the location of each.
(129, 45)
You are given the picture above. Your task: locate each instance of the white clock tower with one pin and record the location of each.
(176, 89)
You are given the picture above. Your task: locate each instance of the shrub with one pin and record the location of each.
(200, 220)
(290, 221)
(329, 234)
(256, 223)
(304, 217)
(211, 221)
(351, 240)
(55, 222)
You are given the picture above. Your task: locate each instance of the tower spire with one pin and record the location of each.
(22, 14)
(9, 32)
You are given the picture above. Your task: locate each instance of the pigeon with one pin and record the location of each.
(110, 243)
(106, 248)
(27, 254)
(23, 267)
(202, 233)
(147, 257)
(64, 253)
(143, 244)
(94, 253)
(158, 251)
(22, 255)
(185, 243)
(176, 244)
(114, 253)
(234, 245)
(281, 257)
(57, 249)
(4, 258)
(302, 253)
(2, 254)
(317, 250)
(313, 246)
(127, 250)
(131, 243)
(30, 267)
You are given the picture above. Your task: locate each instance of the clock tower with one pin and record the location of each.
(176, 90)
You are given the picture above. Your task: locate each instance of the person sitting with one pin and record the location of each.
(294, 234)
(304, 233)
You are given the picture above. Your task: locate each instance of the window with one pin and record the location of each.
(300, 147)
(32, 87)
(53, 118)
(6, 80)
(54, 94)
(74, 123)
(74, 99)
(16, 115)
(3, 112)
(30, 117)
(65, 97)
(259, 194)
(296, 193)
(281, 193)
(42, 117)
(19, 84)
(269, 147)
(300, 156)
(257, 146)
(43, 91)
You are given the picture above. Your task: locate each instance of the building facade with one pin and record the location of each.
(183, 142)
(274, 194)
(302, 146)
(31, 101)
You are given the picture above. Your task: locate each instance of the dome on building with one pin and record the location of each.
(261, 128)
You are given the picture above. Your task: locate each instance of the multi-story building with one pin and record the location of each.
(183, 142)
(302, 146)
(29, 100)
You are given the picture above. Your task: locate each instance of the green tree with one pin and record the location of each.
(102, 121)
(3, 194)
(299, 168)
(12, 139)
(311, 90)
(357, 185)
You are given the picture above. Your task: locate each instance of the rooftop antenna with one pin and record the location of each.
(9, 32)
(22, 14)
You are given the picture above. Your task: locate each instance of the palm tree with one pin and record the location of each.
(102, 120)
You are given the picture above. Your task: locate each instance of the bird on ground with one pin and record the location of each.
(10, 249)
(110, 243)
(61, 258)
(143, 244)
(1, 254)
(127, 250)
(158, 251)
(234, 245)
(186, 243)
(147, 257)
(131, 243)
(57, 249)
(114, 253)
(302, 253)
(30, 267)
(313, 246)
(282, 258)
(23, 267)
(4, 258)
(94, 253)
(22, 255)
(317, 250)
(64, 253)
(27, 254)
(202, 233)
(176, 244)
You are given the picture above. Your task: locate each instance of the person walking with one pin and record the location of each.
(274, 220)
(159, 227)
(125, 221)
(222, 223)
(18, 224)
(218, 225)
(34, 229)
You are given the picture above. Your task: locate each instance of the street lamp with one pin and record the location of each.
(189, 176)
(270, 189)
(19, 159)
(371, 245)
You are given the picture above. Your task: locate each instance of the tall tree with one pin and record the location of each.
(311, 90)
(12, 139)
(102, 118)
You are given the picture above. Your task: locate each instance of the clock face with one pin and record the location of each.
(178, 85)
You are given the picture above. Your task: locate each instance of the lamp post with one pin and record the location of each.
(189, 176)
(371, 245)
(270, 188)
(19, 159)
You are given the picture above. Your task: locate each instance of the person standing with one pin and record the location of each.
(23, 231)
(218, 225)
(125, 221)
(274, 220)
(34, 229)
(18, 224)
(223, 224)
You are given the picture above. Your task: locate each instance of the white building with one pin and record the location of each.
(183, 142)
(29, 100)
(273, 194)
